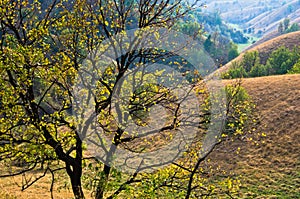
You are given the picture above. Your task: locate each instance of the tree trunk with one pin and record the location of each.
(103, 181)
(75, 172)
(106, 170)
(77, 191)
(75, 176)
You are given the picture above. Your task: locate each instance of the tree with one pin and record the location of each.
(220, 48)
(258, 71)
(282, 60)
(190, 28)
(286, 23)
(294, 27)
(290, 9)
(250, 59)
(46, 57)
(236, 70)
(249, 30)
(280, 28)
(295, 69)
(48, 49)
(238, 37)
(208, 44)
(233, 52)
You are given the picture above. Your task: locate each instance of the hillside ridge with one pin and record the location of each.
(289, 40)
(269, 164)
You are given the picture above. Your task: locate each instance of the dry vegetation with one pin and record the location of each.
(267, 45)
(10, 188)
(261, 15)
(269, 160)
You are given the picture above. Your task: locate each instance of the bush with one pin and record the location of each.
(233, 52)
(250, 59)
(282, 60)
(295, 69)
(236, 71)
(294, 27)
(258, 71)
(239, 109)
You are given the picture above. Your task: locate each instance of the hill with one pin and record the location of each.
(270, 165)
(289, 40)
(264, 39)
(259, 16)
(268, 21)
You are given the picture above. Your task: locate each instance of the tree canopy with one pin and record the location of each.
(56, 101)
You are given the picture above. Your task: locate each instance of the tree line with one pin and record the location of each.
(280, 61)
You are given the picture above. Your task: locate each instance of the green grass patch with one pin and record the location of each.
(271, 185)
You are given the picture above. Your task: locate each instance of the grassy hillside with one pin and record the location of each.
(263, 16)
(270, 163)
(289, 40)
(269, 158)
(268, 21)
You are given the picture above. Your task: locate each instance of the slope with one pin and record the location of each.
(289, 40)
(269, 160)
(262, 17)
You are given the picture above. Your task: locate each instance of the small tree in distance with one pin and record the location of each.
(280, 28)
(286, 23)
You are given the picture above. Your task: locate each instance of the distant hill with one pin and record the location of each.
(265, 38)
(261, 16)
(268, 21)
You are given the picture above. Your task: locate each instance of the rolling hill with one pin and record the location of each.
(261, 16)
(269, 164)
(289, 40)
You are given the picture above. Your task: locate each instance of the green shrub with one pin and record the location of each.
(233, 52)
(294, 27)
(282, 60)
(243, 69)
(295, 69)
(236, 71)
(258, 71)
(250, 59)
(239, 109)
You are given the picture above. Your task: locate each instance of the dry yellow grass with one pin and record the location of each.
(270, 165)
(10, 188)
